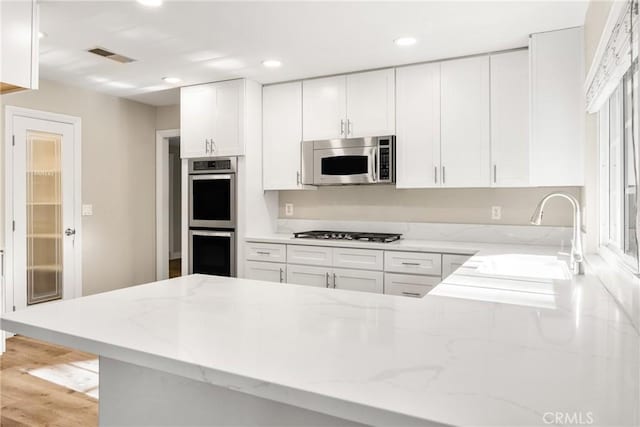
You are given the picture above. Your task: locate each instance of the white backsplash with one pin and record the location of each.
(514, 234)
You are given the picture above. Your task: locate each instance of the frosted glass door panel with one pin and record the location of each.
(44, 216)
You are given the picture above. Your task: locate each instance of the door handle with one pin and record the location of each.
(70, 231)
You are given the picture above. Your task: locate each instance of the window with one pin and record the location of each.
(618, 175)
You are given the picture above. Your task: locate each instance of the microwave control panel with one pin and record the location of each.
(385, 160)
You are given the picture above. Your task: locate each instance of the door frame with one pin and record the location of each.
(76, 122)
(162, 201)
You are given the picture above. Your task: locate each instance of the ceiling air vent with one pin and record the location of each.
(110, 55)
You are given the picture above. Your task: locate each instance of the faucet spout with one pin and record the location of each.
(576, 262)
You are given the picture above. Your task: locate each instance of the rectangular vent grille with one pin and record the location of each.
(110, 55)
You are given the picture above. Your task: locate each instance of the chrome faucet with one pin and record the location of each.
(576, 262)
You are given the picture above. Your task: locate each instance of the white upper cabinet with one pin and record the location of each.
(324, 108)
(557, 108)
(371, 109)
(351, 106)
(281, 135)
(19, 45)
(510, 119)
(465, 144)
(212, 119)
(418, 126)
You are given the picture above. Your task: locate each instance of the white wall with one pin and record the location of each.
(118, 178)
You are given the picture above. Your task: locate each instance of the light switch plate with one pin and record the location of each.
(87, 210)
(288, 209)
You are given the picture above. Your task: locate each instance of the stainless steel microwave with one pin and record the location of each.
(368, 160)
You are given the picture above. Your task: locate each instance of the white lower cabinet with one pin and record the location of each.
(267, 271)
(413, 262)
(358, 280)
(310, 255)
(409, 285)
(271, 252)
(365, 259)
(451, 263)
(309, 275)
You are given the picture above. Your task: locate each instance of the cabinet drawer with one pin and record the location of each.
(409, 285)
(267, 271)
(272, 252)
(451, 263)
(309, 255)
(358, 280)
(365, 259)
(413, 262)
(309, 276)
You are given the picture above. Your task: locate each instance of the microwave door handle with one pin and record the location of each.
(375, 165)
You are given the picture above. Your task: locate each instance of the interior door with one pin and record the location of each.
(43, 211)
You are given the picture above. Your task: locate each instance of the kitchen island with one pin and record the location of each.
(483, 348)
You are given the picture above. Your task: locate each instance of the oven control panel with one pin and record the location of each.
(212, 165)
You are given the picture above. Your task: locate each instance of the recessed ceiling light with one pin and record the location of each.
(150, 3)
(405, 41)
(41, 34)
(172, 80)
(271, 63)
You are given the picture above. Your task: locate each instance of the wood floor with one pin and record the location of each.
(175, 268)
(30, 401)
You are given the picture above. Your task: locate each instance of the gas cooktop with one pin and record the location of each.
(348, 235)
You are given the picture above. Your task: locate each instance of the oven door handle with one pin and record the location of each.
(208, 177)
(212, 233)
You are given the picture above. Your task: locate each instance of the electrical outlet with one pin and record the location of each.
(288, 209)
(496, 212)
(87, 210)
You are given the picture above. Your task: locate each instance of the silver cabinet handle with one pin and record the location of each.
(206, 146)
(444, 179)
(214, 148)
(281, 272)
(334, 280)
(435, 174)
(263, 253)
(495, 173)
(349, 132)
(411, 294)
(411, 263)
(70, 231)
(298, 178)
(342, 127)
(327, 278)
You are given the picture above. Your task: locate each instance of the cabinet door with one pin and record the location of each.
(310, 255)
(451, 263)
(510, 119)
(228, 138)
(281, 136)
(308, 275)
(365, 259)
(557, 108)
(324, 108)
(197, 119)
(19, 45)
(358, 280)
(273, 252)
(418, 126)
(371, 103)
(267, 271)
(413, 263)
(465, 122)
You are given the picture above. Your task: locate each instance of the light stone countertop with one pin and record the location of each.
(509, 339)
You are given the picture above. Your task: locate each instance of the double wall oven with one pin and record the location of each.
(212, 216)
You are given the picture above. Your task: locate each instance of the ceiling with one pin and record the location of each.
(208, 41)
